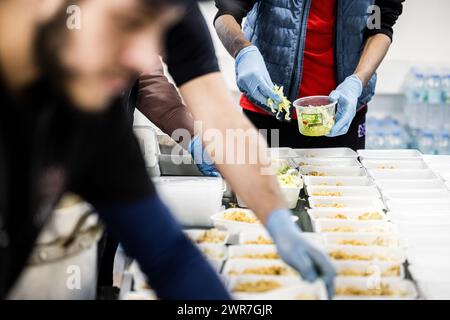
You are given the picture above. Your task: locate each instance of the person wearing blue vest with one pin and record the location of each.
(308, 47)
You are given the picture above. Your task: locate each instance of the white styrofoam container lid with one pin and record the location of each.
(394, 164)
(345, 191)
(333, 181)
(395, 184)
(332, 171)
(390, 154)
(336, 162)
(405, 174)
(325, 153)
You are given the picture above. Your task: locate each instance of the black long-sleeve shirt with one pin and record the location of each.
(390, 11)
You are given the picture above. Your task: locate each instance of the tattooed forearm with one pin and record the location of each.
(231, 35)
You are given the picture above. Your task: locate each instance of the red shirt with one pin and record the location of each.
(318, 76)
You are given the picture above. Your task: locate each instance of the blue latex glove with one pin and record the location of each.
(253, 79)
(297, 252)
(201, 158)
(347, 94)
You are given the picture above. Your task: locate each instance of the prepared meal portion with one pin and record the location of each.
(327, 194)
(341, 225)
(368, 253)
(346, 202)
(382, 289)
(289, 180)
(207, 236)
(352, 229)
(213, 251)
(351, 214)
(260, 240)
(327, 162)
(212, 254)
(274, 270)
(315, 115)
(342, 255)
(240, 216)
(379, 241)
(364, 216)
(393, 271)
(371, 216)
(256, 286)
(262, 256)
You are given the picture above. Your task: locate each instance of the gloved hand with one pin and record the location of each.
(253, 79)
(201, 158)
(347, 94)
(297, 252)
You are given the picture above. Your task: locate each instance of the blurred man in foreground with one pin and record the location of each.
(63, 130)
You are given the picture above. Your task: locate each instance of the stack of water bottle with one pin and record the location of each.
(427, 110)
(386, 133)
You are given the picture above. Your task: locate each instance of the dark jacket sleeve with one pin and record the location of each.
(236, 8)
(390, 11)
(175, 268)
(160, 102)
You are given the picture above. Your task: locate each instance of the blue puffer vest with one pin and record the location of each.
(278, 29)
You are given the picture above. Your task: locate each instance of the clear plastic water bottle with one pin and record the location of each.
(425, 142)
(417, 101)
(442, 142)
(434, 114)
(446, 100)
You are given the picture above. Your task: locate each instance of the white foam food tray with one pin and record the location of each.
(369, 269)
(296, 291)
(235, 227)
(381, 174)
(261, 237)
(238, 267)
(353, 226)
(401, 289)
(345, 202)
(422, 205)
(336, 191)
(326, 162)
(390, 154)
(417, 194)
(362, 239)
(366, 253)
(326, 153)
(410, 184)
(333, 171)
(347, 214)
(338, 181)
(255, 252)
(198, 236)
(394, 164)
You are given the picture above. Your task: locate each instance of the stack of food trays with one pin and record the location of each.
(347, 210)
(288, 178)
(419, 206)
(253, 270)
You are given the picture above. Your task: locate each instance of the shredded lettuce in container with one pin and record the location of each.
(284, 105)
(316, 121)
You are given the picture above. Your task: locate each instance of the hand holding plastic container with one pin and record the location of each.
(315, 115)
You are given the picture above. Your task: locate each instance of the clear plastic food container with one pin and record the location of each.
(315, 115)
